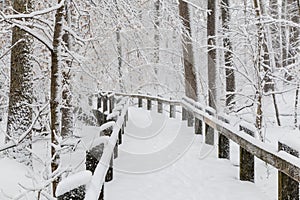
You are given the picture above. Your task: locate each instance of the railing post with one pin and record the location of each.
(172, 110)
(109, 174)
(288, 188)
(224, 147)
(209, 135)
(140, 102)
(159, 105)
(209, 131)
(190, 119)
(104, 110)
(111, 103)
(246, 161)
(120, 136)
(224, 144)
(198, 126)
(149, 103)
(184, 114)
(99, 99)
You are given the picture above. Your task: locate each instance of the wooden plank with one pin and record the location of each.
(224, 147)
(246, 160)
(159, 106)
(287, 187)
(140, 102)
(198, 126)
(209, 134)
(184, 114)
(271, 158)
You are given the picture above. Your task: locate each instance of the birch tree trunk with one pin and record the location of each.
(188, 57)
(54, 90)
(20, 95)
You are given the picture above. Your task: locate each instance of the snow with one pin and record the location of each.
(160, 158)
(147, 171)
(73, 181)
(13, 176)
(292, 139)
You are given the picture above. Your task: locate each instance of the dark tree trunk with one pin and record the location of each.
(156, 35)
(20, 95)
(211, 42)
(229, 71)
(188, 57)
(67, 107)
(54, 89)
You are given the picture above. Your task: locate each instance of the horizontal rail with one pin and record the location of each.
(282, 161)
(149, 97)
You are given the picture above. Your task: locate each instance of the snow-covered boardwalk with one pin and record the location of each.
(161, 158)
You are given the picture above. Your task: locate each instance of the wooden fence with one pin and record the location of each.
(205, 121)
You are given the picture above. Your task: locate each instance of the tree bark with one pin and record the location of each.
(188, 57)
(156, 36)
(211, 42)
(228, 57)
(67, 119)
(21, 84)
(54, 90)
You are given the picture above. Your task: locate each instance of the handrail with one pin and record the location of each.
(98, 178)
(283, 162)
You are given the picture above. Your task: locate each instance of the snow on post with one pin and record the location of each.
(73, 186)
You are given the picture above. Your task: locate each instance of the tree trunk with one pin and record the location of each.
(156, 36)
(54, 90)
(259, 64)
(296, 107)
(211, 42)
(229, 71)
(20, 96)
(188, 57)
(67, 107)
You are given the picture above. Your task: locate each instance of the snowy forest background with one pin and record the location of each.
(240, 57)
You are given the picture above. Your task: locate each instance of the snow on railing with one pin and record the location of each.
(93, 187)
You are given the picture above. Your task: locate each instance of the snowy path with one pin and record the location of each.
(185, 169)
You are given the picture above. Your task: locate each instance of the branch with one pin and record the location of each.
(13, 143)
(6, 52)
(32, 14)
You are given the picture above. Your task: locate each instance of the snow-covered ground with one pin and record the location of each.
(146, 170)
(161, 158)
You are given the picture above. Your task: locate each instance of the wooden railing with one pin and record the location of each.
(208, 122)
